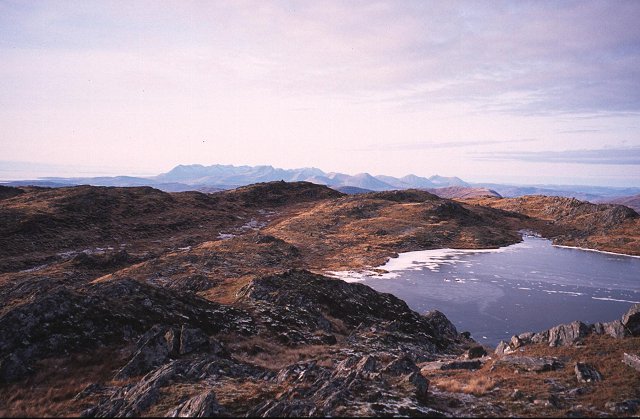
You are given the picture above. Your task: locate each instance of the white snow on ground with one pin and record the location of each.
(415, 261)
(594, 250)
(613, 299)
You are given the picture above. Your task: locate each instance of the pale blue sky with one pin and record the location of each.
(531, 92)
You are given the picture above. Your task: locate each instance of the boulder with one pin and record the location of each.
(527, 363)
(173, 341)
(12, 368)
(152, 351)
(459, 364)
(567, 334)
(475, 352)
(192, 339)
(367, 365)
(503, 348)
(632, 360)
(200, 406)
(628, 407)
(516, 342)
(462, 365)
(400, 366)
(586, 373)
(613, 328)
(421, 384)
(540, 337)
(441, 324)
(631, 320)
(133, 400)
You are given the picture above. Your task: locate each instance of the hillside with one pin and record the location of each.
(137, 302)
(143, 220)
(629, 201)
(463, 192)
(571, 222)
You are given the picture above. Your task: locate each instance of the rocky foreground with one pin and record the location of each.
(135, 302)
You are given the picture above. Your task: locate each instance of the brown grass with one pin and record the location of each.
(272, 355)
(478, 386)
(496, 382)
(51, 389)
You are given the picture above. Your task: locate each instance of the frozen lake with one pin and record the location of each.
(529, 286)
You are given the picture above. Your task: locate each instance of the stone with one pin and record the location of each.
(503, 348)
(200, 406)
(12, 368)
(400, 366)
(421, 384)
(153, 351)
(631, 320)
(628, 407)
(367, 365)
(567, 334)
(476, 352)
(192, 339)
(516, 342)
(540, 337)
(586, 373)
(555, 401)
(517, 394)
(527, 363)
(88, 391)
(632, 360)
(441, 324)
(173, 341)
(614, 328)
(462, 365)
(133, 400)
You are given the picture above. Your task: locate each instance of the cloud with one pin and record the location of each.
(579, 131)
(614, 156)
(514, 57)
(426, 145)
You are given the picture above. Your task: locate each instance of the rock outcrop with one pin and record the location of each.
(573, 333)
(586, 373)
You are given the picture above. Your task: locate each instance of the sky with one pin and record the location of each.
(490, 91)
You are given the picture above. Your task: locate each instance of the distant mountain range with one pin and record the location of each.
(220, 177)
